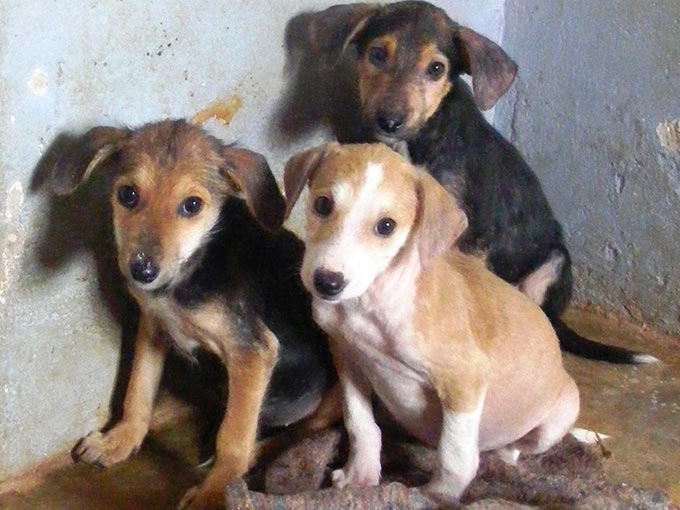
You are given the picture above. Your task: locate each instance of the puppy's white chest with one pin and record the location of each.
(391, 362)
(175, 324)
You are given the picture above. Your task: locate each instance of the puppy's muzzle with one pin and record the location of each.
(328, 283)
(143, 269)
(390, 121)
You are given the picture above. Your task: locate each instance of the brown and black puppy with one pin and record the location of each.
(392, 73)
(193, 222)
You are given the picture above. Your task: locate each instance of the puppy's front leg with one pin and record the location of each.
(458, 451)
(249, 370)
(363, 465)
(126, 437)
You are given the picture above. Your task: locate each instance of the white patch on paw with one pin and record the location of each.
(357, 473)
(508, 455)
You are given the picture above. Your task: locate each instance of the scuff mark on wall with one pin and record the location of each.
(12, 239)
(669, 135)
(37, 83)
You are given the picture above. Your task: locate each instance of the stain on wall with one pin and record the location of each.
(37, 83)
(597, 82)
(669, 135)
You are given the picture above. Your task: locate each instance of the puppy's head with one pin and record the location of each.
(409, 54)
(367, 208)
(170, 183)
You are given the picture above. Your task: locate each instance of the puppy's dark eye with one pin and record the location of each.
(377, 55)
(323, 205)
(190, 207)
(128, 197)
(435, 70)
(385, 227)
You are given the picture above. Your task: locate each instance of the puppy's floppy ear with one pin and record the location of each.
(329, 31)
(439, 222)
(251, 178)
(492, 70)
(300, 170)
(84, 155)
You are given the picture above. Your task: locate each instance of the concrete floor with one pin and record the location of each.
(639, 407)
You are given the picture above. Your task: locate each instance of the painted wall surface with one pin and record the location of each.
(65, 67)
(596, 79)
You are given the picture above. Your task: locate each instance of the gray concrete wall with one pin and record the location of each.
(595, 81)
(66, 66)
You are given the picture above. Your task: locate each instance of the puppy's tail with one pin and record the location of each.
(574, 343)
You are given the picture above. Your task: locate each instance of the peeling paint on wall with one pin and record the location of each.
(221, 111)
(669, 135)
(12, 239)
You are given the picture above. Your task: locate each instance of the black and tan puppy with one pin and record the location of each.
(392, 73)
(193, 223)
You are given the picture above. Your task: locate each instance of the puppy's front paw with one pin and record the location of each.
(203, 498)
(107, 449)
(444, 493)
(365, 474)
(210, 494)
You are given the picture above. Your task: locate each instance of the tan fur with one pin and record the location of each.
(455, 353)
(409, 90)
(166, 163)
(249, 374)
(127, 436)
(388, 43)
(158, 224)
(503, 342)
(536, 284)
(434, 92)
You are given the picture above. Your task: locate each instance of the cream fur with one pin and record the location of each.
(461, 359)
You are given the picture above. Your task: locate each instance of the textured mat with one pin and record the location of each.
(569, 476)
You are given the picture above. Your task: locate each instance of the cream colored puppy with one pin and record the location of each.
(464, 361)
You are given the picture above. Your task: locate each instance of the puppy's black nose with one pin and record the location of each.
(143, 269)
(328, 283)
(390, 122)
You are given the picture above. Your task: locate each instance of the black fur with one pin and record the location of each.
(510, 219)
(509, 216)
(256, 274)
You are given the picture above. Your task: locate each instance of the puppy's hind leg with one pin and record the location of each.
(556, 424)
(116, 445)
(536, 284)
(508, 454)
